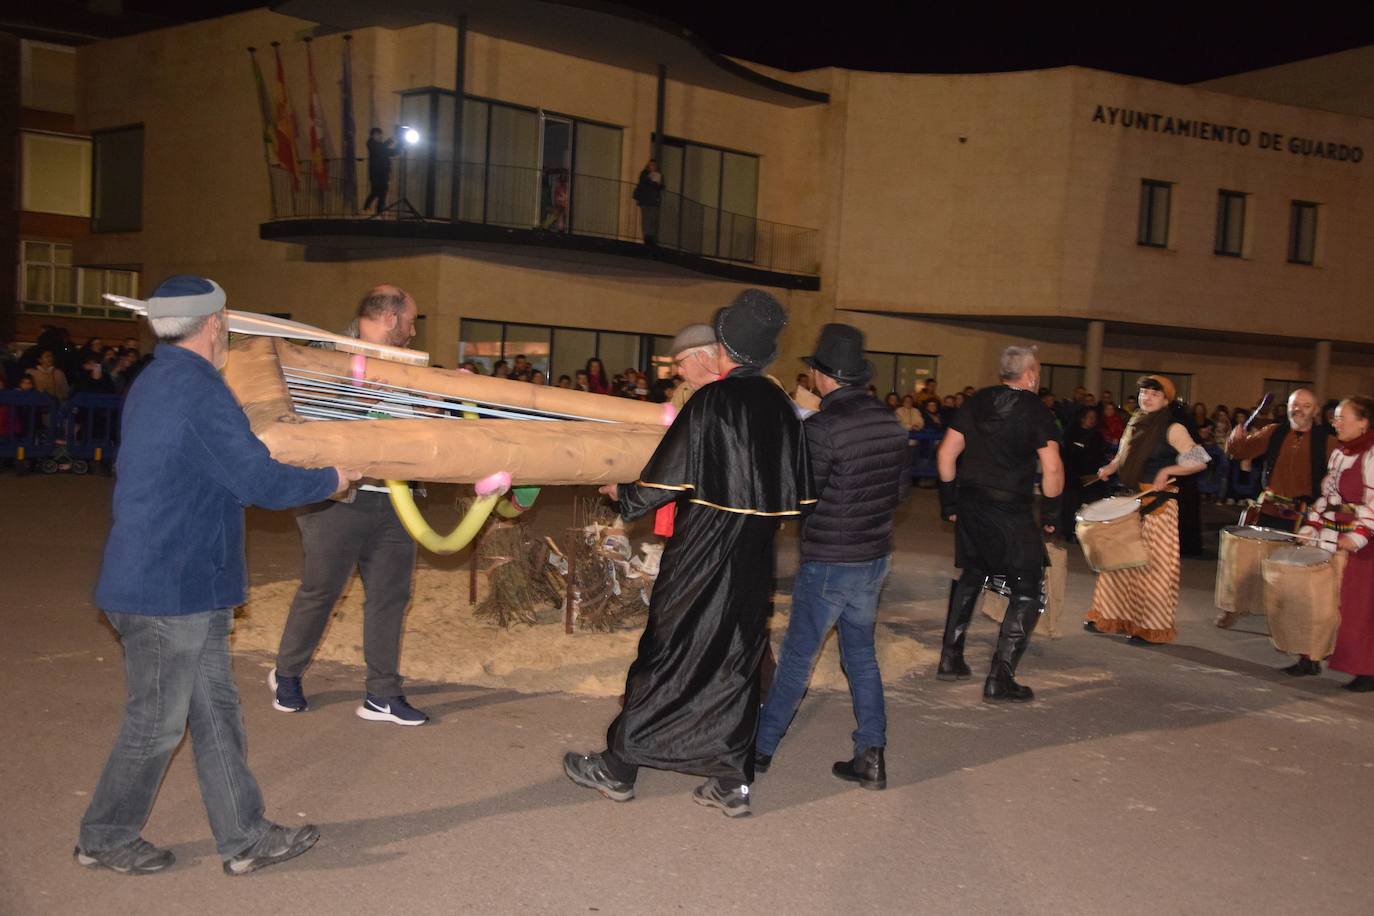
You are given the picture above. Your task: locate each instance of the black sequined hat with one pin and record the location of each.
(748, 328)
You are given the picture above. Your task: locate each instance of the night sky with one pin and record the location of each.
(1180, 43)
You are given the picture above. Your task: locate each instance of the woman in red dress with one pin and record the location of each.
(1346, 507)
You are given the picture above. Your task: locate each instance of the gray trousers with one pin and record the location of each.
(337, 537)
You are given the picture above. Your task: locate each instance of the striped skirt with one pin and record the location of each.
(1141, 601)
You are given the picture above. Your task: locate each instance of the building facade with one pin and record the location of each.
(1121, 224)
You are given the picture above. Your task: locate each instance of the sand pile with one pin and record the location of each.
(443, 642)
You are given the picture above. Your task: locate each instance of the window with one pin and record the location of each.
(900, 372)
(57, 174)
(48, 80)
(1283, 387)
(712, 200)
(1302, 233)
(519, 167)
(1153, 230)
(1230, 223)
(51, 285)
(118, 199)
(1062, 380)
(554, 351)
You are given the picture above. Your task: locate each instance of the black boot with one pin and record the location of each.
(1023, 613)
(1303, 666)
(867, 768)
(963, 595)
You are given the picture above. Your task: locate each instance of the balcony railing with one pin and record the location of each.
(518, 197)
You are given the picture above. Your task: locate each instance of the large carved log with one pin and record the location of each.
(455, 451)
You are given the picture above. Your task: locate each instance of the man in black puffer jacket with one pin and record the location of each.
(859, 466)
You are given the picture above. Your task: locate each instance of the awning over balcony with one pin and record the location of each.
(603, 32)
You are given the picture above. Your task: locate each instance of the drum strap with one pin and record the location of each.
(1158, 501)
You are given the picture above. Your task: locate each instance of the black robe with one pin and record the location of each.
(735, 461)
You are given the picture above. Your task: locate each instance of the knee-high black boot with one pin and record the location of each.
(1023, 612)
(963, 595)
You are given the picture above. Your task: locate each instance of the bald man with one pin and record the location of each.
(1294, 453)
(1294, 456)
(359, 531)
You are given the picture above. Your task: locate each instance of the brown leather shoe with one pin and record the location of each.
(1227, 619)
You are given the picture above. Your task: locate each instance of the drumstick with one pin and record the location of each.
(1291, 534)
(1264, 402)
(259, 325)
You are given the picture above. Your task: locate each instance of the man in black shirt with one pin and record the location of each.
(1000, 433)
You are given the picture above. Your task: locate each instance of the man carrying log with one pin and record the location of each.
(359, 530)
(735, 461)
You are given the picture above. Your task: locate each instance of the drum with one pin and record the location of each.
(1109, 531)
(1240, 579)
(1302, 598)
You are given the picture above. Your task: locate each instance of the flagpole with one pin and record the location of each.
(261, 90)
(349, 129)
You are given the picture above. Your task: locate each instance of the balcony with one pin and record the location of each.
(504, 205)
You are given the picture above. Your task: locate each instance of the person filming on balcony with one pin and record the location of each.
(379, 155)
(648, 194)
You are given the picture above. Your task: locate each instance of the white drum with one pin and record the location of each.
(1302, 595)
(1109, 532)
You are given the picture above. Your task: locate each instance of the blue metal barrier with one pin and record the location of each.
(91, 425)
(32, 427)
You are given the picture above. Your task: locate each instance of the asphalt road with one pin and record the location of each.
(1191, 778)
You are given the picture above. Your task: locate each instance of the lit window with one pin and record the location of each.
(57, 174)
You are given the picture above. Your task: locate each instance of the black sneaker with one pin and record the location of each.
(589, 770)
(287, 693)
(390, 709)
(734, 803)
(276, 845)
(137, 858)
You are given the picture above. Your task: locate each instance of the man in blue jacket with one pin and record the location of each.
(172, 574)
(859, 467)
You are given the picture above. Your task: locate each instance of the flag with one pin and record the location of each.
(318, 168)
(269, 140)
(350, 142)
(284, 124)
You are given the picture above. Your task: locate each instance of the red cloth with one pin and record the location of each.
(663, 520)
(1355, 641)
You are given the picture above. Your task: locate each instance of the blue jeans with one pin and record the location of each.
(826, 595)
(177, 671)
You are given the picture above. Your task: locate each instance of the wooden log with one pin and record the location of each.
(466, 451)
(450, 383)
(253, 373)
(533, 452)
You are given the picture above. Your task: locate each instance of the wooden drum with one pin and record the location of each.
(1240, 576)
(1109, 532)
(1302, 598)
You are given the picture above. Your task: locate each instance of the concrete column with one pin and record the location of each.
(1321, 368)
(1092, 357)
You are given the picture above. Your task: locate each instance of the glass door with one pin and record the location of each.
(555, 171)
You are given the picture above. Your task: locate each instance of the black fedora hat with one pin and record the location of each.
(840, 355)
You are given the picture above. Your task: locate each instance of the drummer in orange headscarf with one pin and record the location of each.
(1155, 449)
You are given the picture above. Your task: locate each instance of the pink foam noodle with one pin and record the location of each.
(669, 413)
(358, 365)
(496, 484)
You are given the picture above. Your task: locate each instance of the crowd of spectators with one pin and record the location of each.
(55, 365)
(631, 383)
